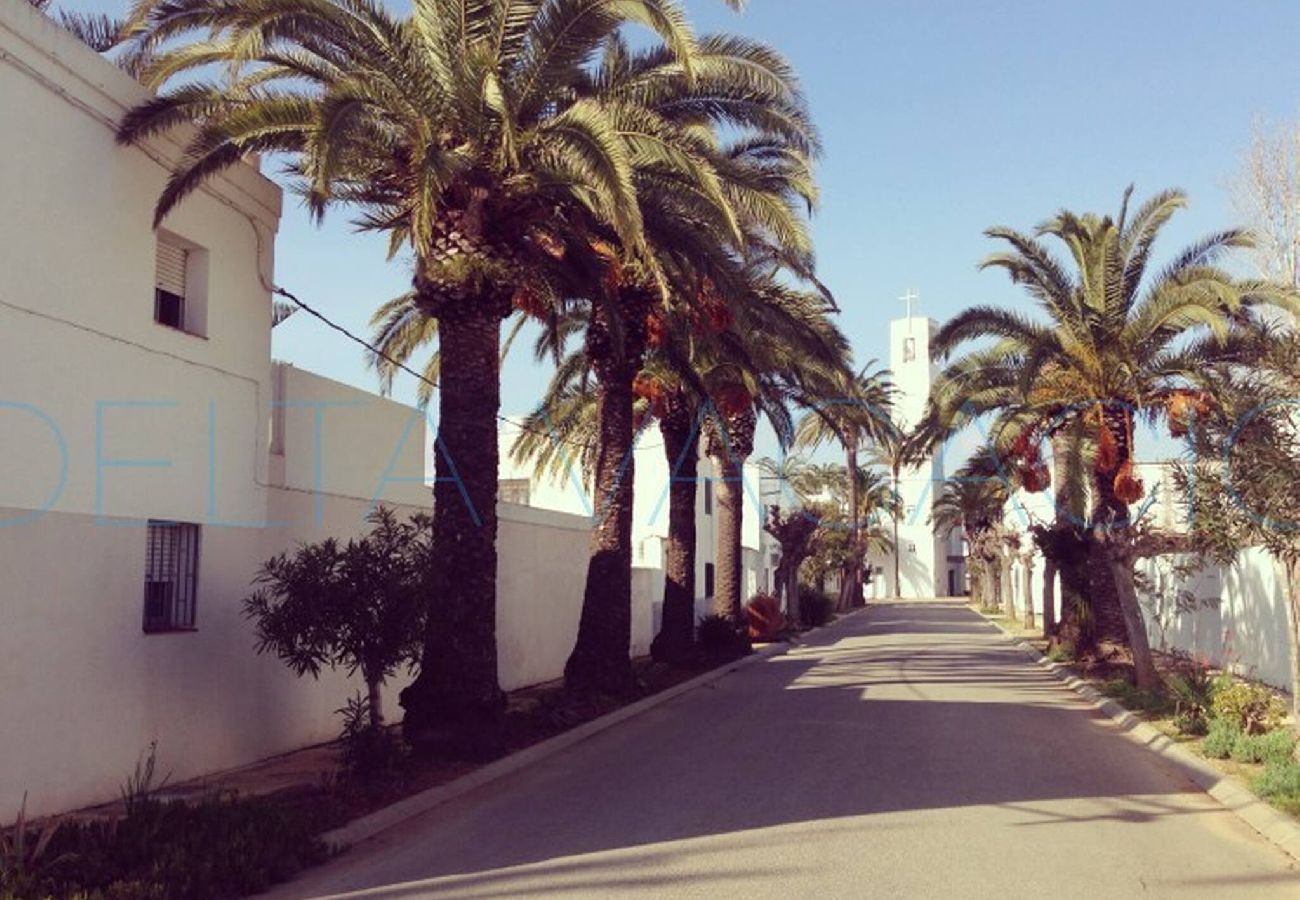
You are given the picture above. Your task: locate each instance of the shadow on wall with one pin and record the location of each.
(1233, 616)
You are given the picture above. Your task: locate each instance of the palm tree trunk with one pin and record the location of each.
(677, 626)
(1069, 551)
(854, 589)
(456, 704)
(1109, 512)
(1028, 562)
(1008, 586)
(1120, 566)
(898, 549)
(1049, 598)
(601, 658)
(730, 510)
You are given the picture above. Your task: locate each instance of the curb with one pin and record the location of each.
(1275, 826)
(368, 826)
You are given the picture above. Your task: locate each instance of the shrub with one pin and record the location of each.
(1220, 739)
(1280, 781)
(1062, 652)
(1156, 702)
(816, 608)
(764, 617)
(1273, 747)
(721, 639)
(1252, 707)
(368, 751)
(1192, 689)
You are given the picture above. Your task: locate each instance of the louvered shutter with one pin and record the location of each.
(169, 269)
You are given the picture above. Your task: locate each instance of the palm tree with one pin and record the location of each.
(856, 418)
(894, 450)
(1115, 341)
(456, 131)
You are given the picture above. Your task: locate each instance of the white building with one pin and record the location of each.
(568, 492)
(154, 456)
(928, 565)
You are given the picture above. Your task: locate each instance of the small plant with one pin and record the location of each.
(1220, 738)
(1252, 707)
(816, 608)
(1272, 747)
(721, 639)
(1192, 689)
(23, 857)
(1155, 702)
(369, 751)
(1062, 652)
(1279, 783)
(764, 617)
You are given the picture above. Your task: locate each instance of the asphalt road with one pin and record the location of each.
(908, 751)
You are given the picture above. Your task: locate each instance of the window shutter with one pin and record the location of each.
(169, 269)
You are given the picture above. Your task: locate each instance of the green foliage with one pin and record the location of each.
(720, 638)
(1273, 746)
(1279, 783)
(1154, 702)
(24, 860)
(220, 847)
(1192, 688)
(1220, 739)
(816, 608)
(1061, 652)
(1251, 706)
(369, 752)
(358, 606)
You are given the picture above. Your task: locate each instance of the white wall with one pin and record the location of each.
(1232, 616)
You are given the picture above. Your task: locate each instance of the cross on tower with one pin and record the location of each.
(909, 298)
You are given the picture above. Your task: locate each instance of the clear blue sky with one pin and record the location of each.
(940, 119)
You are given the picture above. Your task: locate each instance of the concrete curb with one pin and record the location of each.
(369, 826)
(1276, 826)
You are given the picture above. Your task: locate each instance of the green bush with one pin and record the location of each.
(1272, 747)
(1156, 702)
(220, 847)
(1280, 781)
(1221, 738)
(1252, 707)
(721, 639)
(369, 752)
(1062, 652)
(1192, 690)
(816, 608)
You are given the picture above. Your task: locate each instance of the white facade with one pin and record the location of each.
(1234, 616)
(109, 419)
(568, 492)
(927, 567)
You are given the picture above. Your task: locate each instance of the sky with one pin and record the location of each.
(939, 120)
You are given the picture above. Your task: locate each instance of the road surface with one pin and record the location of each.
(908, 751)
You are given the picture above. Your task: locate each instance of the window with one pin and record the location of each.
(909, 349)
(180, 285)
(170, 576)
(515, 490)
(708, 499)
(708, 579)
(169, 284)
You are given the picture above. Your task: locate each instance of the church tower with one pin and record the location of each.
(924, 568)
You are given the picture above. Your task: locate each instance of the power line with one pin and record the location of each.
(282, 292)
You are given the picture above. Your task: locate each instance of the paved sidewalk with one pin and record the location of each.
(909, 752)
